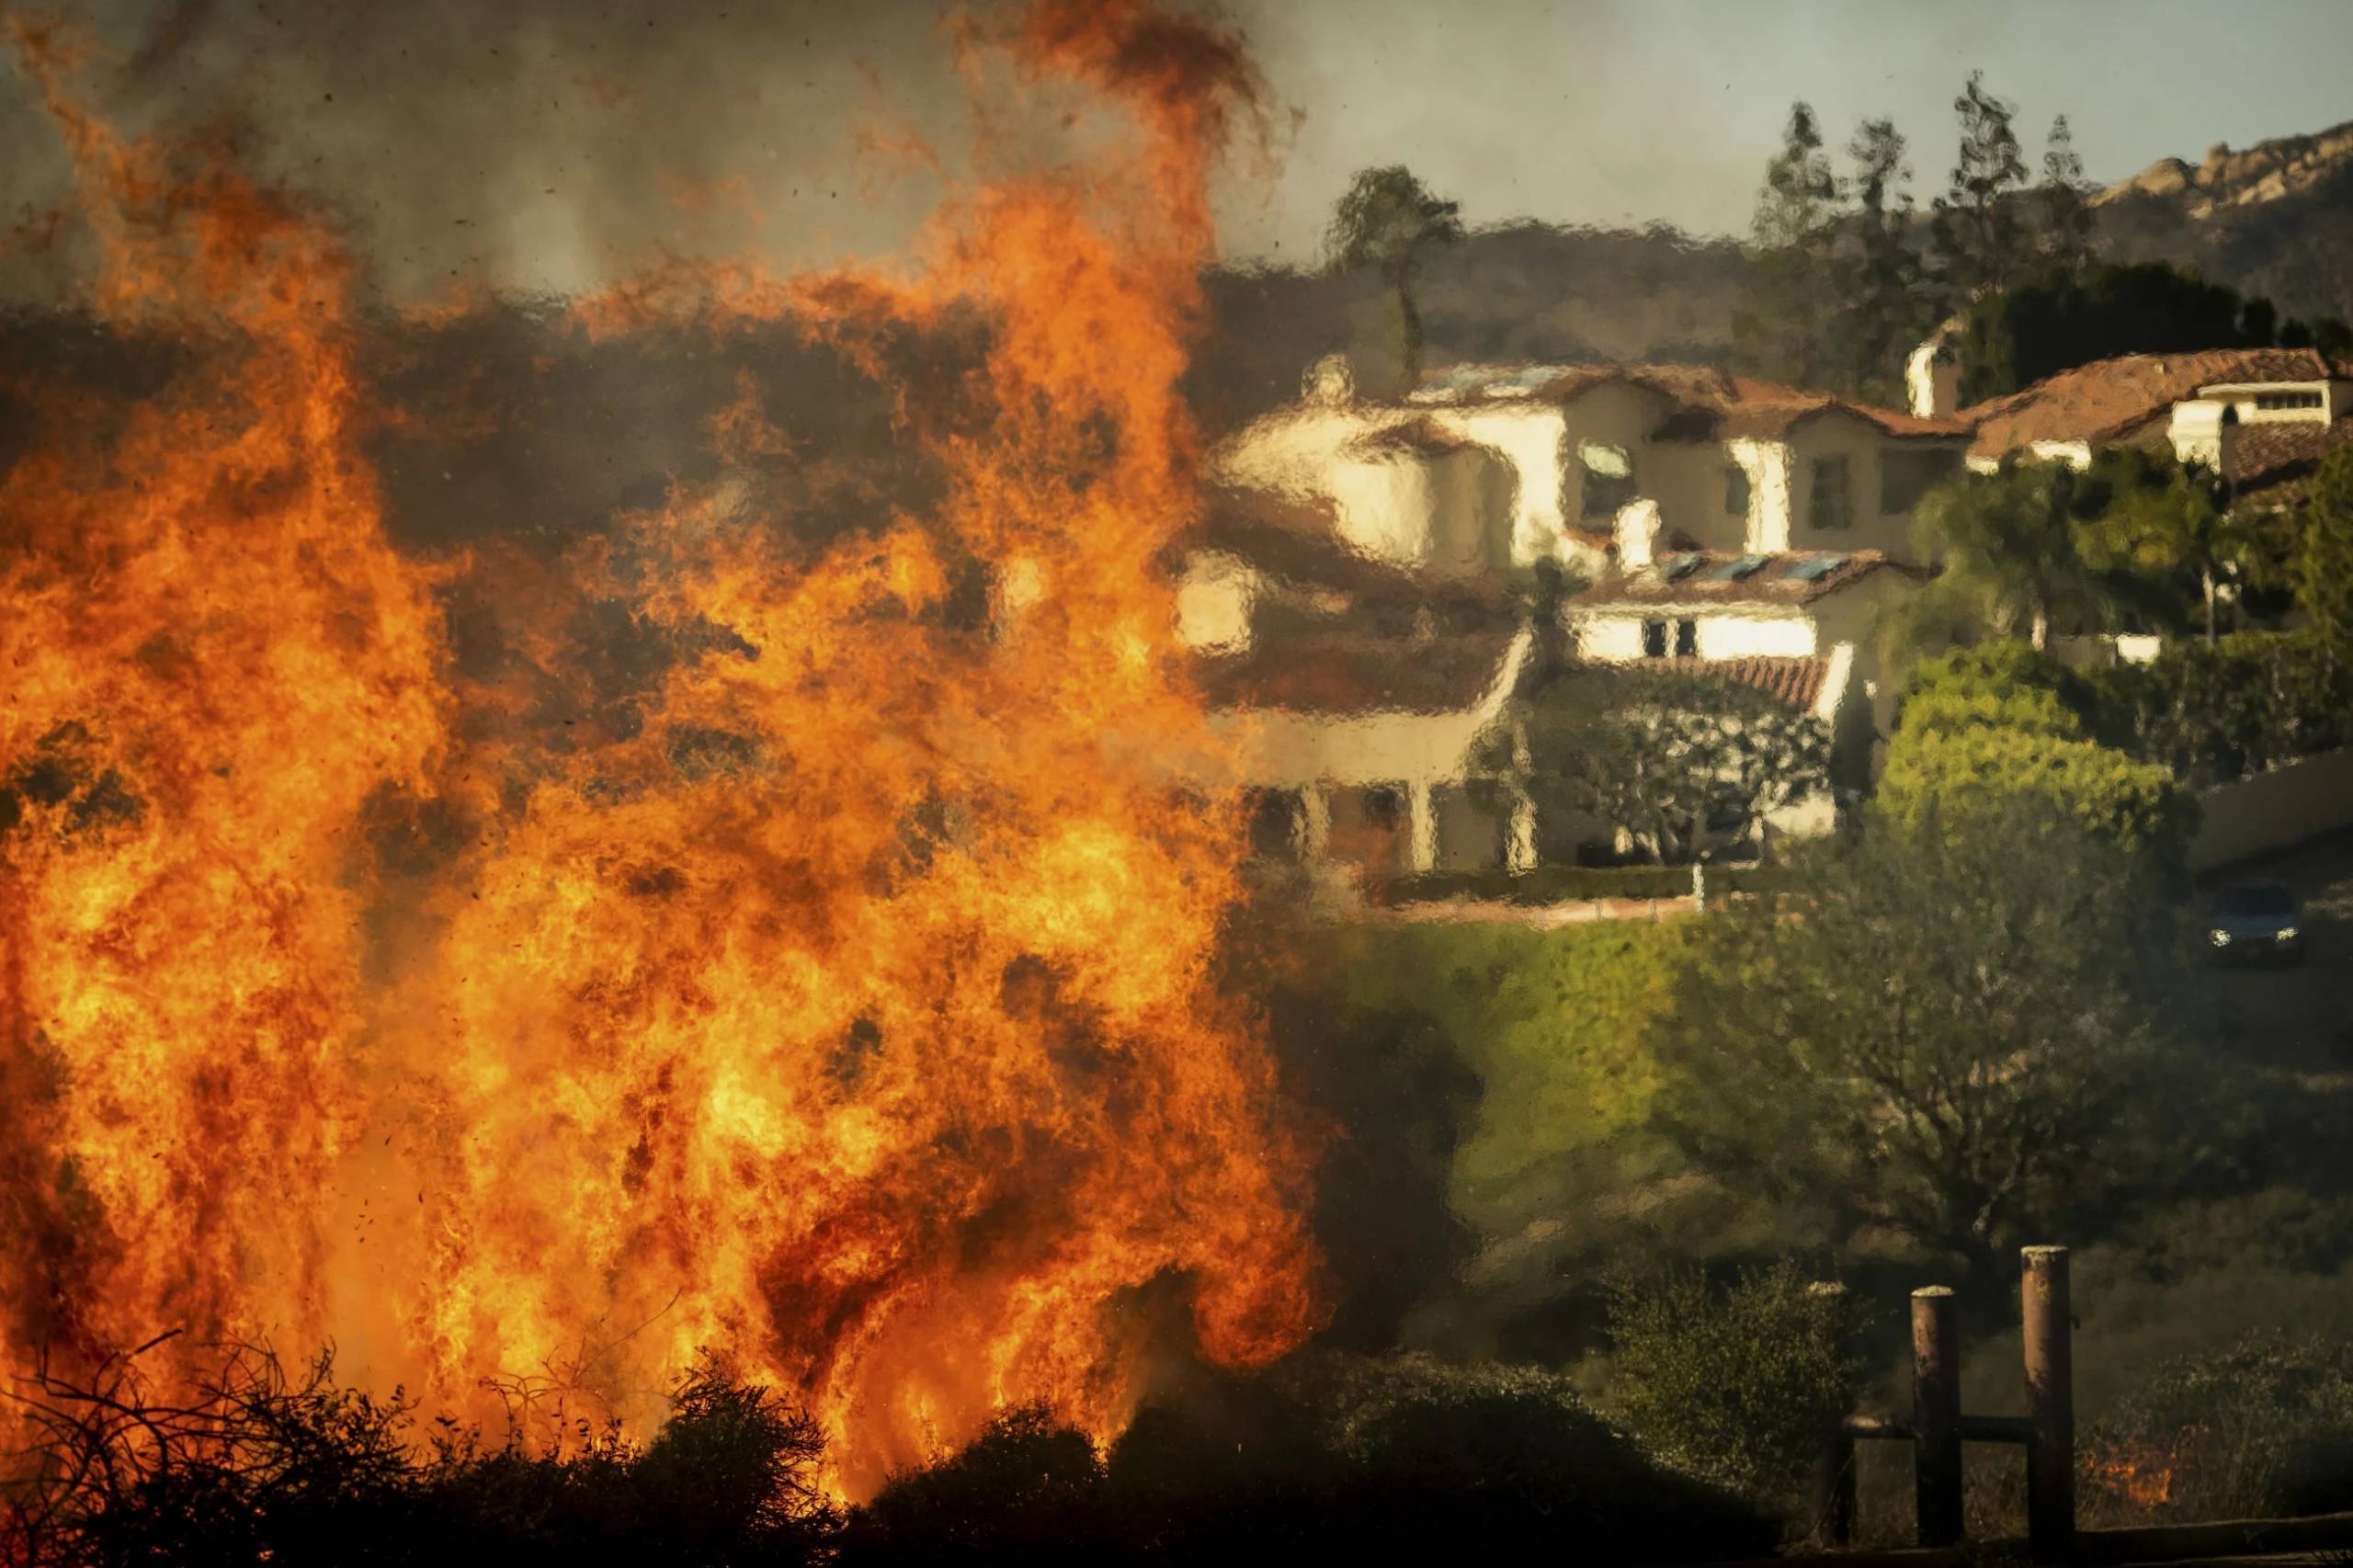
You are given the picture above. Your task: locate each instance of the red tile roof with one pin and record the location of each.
(1772, 582)
(2276, 460)
(1299, 542)
(1705, 403)
(1422, 435)
(2111, 398)
(1796, 681)
(1343, 675)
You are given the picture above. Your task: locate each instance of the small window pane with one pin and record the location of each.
(1687, 639)
(1735, 491)
(1654, 640)
(1828, 506)
(1609, 478)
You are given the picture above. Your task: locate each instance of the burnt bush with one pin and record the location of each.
(264, 1465)
(2263, 1429)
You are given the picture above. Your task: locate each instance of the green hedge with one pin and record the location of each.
(1558, 884)
(1554, 1024)
(2212, 713)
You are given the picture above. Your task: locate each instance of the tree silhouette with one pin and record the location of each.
(1976, 236)
(1387, 219)
(1781, 328)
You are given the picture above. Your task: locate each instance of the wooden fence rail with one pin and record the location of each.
(1938, 1427)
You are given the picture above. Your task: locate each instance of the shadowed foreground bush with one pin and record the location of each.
(1395, 1461)
(1387, 1461)
(1737, 1385)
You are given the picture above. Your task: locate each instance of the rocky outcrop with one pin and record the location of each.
(2265, 172)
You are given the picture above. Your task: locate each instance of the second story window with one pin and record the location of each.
(1609, 478)
(1735, 491)
(1653, 639)
(1829, 506)
(1687, 639)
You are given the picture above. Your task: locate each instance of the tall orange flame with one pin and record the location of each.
(853, 1016)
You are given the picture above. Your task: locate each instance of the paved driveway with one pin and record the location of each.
(2302, 1019)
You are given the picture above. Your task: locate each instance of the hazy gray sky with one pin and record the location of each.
(1618, 111)
(550, 143)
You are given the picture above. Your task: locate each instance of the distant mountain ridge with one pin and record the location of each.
(2268, 171)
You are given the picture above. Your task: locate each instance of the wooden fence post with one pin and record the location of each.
(1936, 1416)
(2050, 1403)
(1830, 1486)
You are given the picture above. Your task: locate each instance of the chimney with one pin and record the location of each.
(1329, 382)
(2205, 430)
(1637, 530)
(1932, 377)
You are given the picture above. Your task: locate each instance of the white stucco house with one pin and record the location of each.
(1800, 624)
(1349, 691)
(1485, 468)
(1349, 596)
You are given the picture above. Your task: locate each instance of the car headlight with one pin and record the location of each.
(2288, 933)
(2220, 938)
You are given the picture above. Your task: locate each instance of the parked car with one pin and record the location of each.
(2257, 921)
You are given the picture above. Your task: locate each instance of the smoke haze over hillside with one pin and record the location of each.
(546, 146)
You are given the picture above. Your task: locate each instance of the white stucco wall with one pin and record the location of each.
(1529, 436)
(1293, 448)
(1770, 485)
(1856, 615)
(1386, 503)
(1215, 595)
(2273, 810)
(1286, 750)
(1608, 635)
(1834, 436)
(1788, 636)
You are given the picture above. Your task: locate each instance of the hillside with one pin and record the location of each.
(2274, 219)
(1520, 291)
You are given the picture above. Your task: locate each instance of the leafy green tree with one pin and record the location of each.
(1388, 220)
(2066, 237)
(2011, 562)
(1668, 757)
(1781, 326)
(1886, 310)
(2322, 566)
(1963, 773)
(1975, 238)
(1960, 1037)
(1980, 732)
(2214, 712)
(2158, 526)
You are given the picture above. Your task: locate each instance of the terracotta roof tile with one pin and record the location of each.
(2111, 398)
(1796, 681)
(2276, 460)
(1421, 435)
(1299, 541)
(1705, 403)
